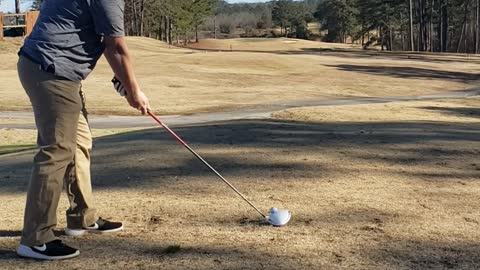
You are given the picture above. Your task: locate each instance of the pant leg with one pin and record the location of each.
(78, 184)
(56, 105)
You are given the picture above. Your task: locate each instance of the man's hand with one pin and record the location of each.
(138, 100)
(117, 54)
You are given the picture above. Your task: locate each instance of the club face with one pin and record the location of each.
(279, 217)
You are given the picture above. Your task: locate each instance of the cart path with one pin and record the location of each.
(252, 112)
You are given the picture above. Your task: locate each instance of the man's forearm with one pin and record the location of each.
(117, 55)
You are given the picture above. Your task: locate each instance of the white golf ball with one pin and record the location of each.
(273, 210)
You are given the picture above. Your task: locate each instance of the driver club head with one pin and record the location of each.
(278, 217)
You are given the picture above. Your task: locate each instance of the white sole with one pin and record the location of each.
(71, 232)
(27, 252)
(74, 233)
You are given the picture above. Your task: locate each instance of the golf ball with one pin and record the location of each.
(273, 210)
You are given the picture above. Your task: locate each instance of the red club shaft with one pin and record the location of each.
(204, 161)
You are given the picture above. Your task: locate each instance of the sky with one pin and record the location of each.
(9, 6)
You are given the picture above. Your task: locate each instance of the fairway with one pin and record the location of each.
(391, 185)
(365, 193)
(182, 81)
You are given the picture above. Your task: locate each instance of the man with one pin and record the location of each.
(67, 40)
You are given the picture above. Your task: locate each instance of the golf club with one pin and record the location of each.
(276, 217)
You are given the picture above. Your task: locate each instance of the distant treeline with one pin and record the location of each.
(180, 20)
(417, 25)
(289, 17)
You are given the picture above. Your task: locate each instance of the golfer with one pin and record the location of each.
(66, 43)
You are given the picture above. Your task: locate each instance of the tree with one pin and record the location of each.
(293, 16)
(201, 9)
(338, 18)
(410, 6)
(297, 17)
(281, 14)
(165, 19)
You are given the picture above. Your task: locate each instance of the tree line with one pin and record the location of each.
(415, 25)
(290, 17)
(167, 20)
(176, 20)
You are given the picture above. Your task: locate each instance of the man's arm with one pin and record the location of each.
(118, 56)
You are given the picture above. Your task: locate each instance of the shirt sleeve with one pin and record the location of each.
(108, 17)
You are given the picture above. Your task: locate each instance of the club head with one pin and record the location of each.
(278, 217)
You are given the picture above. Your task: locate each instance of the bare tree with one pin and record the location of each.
(412, 46)
(477, 29)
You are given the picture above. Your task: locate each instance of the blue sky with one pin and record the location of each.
(9, 6)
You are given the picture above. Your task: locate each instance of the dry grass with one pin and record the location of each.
(383, 186)
(14, 140)
(453, 110)
(180, 81)
(314, 28)
(16, 121)
(378, 189)
(282, 45)
(10, 45)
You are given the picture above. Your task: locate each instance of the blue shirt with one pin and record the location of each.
(67, 38)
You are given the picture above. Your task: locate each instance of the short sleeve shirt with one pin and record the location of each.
(68, 36)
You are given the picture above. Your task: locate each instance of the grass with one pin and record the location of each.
(183, 80)
(172, 249)
(378, 189)
(8, 149)
(16, 121)
(452, 110)
(10, 45)
(378, 186)
(15, 140)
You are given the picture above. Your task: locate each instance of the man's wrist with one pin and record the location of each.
(135, 91)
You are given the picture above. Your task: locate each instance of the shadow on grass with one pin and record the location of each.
(411, 72)
(414, 254)
(10, 233)
(355, 237)
(151, 157)
(456, 111)
(8, 149)
(139, 254)
(387, 253)
(407, 56)
(367, 54)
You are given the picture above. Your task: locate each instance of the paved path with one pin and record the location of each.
(253, 112)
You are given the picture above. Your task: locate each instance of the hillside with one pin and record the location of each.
(257, 71)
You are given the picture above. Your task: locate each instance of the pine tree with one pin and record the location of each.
(338, 17)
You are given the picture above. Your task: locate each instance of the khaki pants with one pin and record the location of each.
(63, 159)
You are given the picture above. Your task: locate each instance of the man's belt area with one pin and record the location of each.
(49, 69)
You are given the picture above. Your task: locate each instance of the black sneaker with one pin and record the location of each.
(54, 250)
(101, 226)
